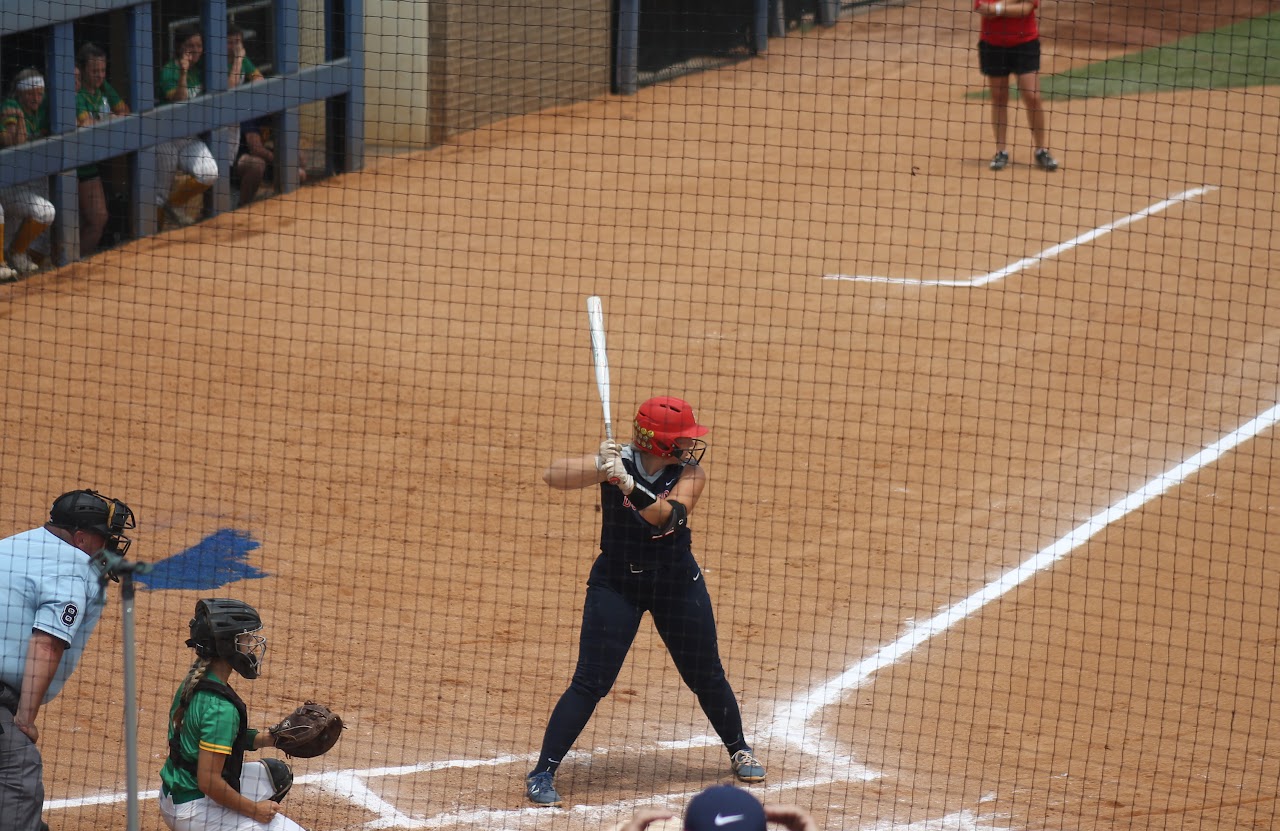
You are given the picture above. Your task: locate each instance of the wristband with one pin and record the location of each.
(999, 7)
(640, 497)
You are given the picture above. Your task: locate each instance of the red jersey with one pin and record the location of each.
(1008, 31)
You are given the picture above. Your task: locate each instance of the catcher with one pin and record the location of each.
(206, 785)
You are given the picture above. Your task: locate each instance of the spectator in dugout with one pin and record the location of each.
(182, 79)
(253, 157)
(256, 157)
(24, 116)
(96, 101)
(240, 69)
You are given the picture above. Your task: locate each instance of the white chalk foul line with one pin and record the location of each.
(794, 716)
(979, 280)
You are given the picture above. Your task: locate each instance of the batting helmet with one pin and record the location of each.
(91, 511)
(216, 631)
(660, 425)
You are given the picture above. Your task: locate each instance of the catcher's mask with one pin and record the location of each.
(665, 426)
(229, 629)
(91, 511)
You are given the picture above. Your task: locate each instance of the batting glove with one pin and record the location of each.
(617, 475)
(609, 449)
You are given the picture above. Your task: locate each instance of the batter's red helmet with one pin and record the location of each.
(661, 421)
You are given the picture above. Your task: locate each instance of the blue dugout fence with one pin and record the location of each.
(338, 81)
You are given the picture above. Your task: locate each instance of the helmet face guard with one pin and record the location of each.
(665, 426)
(86, 510)
(230, 630)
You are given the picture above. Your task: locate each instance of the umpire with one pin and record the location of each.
(52, 592)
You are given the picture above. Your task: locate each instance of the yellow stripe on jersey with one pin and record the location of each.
(216, 748)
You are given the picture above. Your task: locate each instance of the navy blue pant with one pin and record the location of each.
(678, 600)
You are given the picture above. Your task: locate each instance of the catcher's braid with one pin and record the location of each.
(195, 675)
(308, 731)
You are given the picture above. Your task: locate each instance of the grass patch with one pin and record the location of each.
(1244, 54)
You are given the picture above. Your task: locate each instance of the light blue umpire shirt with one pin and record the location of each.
(51, 586)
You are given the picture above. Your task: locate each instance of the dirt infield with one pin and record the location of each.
(370, 374)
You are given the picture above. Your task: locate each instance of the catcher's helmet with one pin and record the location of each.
(91, 511)
(216, 631)
(660, 425)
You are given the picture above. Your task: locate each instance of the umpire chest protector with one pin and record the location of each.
(231, 768)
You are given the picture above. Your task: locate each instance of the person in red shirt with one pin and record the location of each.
(1009, 44)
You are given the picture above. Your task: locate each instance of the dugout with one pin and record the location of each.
(654, 40)
(318, 69)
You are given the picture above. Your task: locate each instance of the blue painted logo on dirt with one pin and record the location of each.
(218, 559)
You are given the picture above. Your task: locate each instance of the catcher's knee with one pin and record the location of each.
(281, 776)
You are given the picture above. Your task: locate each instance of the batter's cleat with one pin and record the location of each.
(1045, 161)
(746, 767)
(7, 275)
(1000, 161)
(23, 263)
(541, 789)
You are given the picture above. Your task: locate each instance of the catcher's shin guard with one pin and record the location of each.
(281, 778)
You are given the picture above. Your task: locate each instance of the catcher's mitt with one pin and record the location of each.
(308, 731)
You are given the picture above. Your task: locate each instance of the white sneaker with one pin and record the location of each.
(23, 263)
(7, 274)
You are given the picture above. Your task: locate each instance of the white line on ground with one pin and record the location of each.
(979, 280)
(793, 716)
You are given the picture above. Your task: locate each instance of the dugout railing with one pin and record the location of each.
(337, 81)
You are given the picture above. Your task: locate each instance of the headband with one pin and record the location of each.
(34, 82)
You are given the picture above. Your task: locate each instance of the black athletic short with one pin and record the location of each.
(1003, 61)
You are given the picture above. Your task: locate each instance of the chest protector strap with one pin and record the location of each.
(231, 768)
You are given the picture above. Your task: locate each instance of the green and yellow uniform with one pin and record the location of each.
(37, 123)
(212, 723)
(171, 74)
(247, 69)
(97, 105)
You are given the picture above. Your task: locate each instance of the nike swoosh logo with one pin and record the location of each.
(723, 820)
(698, 576)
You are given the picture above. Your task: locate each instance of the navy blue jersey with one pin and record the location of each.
(625, 536)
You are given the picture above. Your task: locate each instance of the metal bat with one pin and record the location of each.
(595, 316)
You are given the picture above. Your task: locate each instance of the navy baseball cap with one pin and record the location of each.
(724, 808)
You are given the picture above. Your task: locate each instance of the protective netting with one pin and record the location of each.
(989, 489)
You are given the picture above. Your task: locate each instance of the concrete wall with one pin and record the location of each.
(438, 67)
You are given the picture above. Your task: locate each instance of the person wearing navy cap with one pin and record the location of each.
(722, 808)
